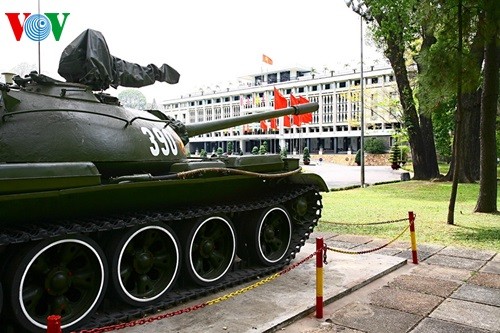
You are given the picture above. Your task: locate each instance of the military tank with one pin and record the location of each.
(105, 217)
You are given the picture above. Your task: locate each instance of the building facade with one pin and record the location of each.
(335, 127)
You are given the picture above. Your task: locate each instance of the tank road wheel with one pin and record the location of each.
(210, 249)
(65, 277)
(306, 209)
(268, 235)
(145, 263)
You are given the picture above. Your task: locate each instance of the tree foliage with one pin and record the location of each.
(375, 146)
(132, 98)
(397, 30)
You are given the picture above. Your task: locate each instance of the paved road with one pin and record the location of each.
(339, 176)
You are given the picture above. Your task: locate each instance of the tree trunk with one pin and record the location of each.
(468, 145)
(471, 107)
(395, 53)
(487, 200)
(425, 119)
(432, 169)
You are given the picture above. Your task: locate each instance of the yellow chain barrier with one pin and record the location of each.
(243, 290)
(371, 250)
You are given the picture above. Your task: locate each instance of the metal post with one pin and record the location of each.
(319, 277)
(362, 148)
(54, 324)
(411, 218)
(364, 12)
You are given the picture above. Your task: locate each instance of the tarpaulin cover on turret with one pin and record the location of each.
(87, 60)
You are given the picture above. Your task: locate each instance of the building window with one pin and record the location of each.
(342, 84)
(285, 76)
(328, 86)
(272, 78)
(374, 80)
(258, 80)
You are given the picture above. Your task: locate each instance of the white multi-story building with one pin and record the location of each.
(335, 127)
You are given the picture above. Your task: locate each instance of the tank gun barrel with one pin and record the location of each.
(216, 125)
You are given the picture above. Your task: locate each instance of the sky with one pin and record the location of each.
(209, 42)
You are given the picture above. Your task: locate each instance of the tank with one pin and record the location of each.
(105, 217)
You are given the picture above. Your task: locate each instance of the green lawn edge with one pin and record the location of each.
(428, 200)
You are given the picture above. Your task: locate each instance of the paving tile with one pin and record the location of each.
(469, 313)
(425, 285)
(356, 239)
(442, 272)
(405, 300)
(325, 235)
(491, 267)
(327, 326)
(387, 251)
(467, 253)
(478, 294)
(421, 255)
(456, 262)
(496, 258)
(340, 245)
(432, 325)
(434, 248)
(486, 280)
(374, 319)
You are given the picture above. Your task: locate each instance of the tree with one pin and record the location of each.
(24, 68)
(230, 148)
(396, 30)
(447, 69)
(487, 200)
(306, 156)
(132, 98)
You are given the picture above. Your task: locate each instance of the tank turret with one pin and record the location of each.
(101, 202)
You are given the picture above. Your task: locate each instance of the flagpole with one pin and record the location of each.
(39, 58)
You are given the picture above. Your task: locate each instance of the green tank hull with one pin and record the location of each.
(99, 202)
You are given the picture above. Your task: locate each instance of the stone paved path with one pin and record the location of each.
(450, 290)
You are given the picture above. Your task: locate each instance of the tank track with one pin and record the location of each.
(109, 315)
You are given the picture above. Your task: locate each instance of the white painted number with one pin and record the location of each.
(161, 140)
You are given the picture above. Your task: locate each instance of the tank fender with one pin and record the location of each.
(310, 179)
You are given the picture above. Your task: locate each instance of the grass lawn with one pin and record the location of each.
(427, 200)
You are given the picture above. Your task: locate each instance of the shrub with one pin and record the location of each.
(283, 153)
(306, 156)
(395, 156)
(375, 146)
(357, 158)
